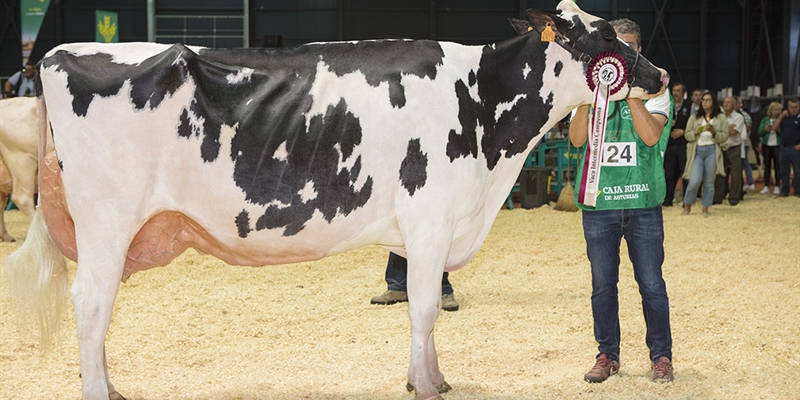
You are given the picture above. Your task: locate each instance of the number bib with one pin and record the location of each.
(619, 154)
(631, 172)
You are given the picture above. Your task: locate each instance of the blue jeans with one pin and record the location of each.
(789, 158)
(397, 272)
(704, 170)
(643, 230)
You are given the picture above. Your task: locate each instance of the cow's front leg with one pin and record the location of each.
(424, 304)
(93, 292)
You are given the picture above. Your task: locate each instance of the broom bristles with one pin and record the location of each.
(566, 199)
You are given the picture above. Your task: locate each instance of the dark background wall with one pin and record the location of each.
(705, 43)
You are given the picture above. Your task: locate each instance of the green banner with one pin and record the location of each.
(106, 22)
(32, 14)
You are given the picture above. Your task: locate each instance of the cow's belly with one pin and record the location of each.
(167, 234)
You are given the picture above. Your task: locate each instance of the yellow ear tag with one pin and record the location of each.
(547, 34)
(530, 28)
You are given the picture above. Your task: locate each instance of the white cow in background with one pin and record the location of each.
(19, 140)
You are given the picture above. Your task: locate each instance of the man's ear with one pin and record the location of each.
(540, 21)
(520, 25)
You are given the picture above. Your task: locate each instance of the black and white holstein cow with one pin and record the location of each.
(265, 156)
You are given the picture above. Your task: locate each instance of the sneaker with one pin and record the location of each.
(449, 302)
(603, 368)
(705, 214)
(777, 191)
(750, 188)
(765, 190)
(390, 297)
(662, 370)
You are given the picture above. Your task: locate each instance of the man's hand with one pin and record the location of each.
(732, 130)
(676, 133)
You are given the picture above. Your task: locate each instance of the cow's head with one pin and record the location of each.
(583, 36)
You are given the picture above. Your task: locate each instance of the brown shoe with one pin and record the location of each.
(390, 297)
(449, 302)
(662, 370)
(603, 368)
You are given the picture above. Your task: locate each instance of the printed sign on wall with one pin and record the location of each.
(106, 22)
(32, 14)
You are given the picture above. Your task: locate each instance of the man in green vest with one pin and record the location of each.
(630, 190)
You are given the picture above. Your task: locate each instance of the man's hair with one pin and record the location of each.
(683, 87)
(626, 26)
(794, 100)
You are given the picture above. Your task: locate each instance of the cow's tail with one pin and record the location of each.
(37, 273)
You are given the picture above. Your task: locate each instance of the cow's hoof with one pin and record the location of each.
(7, 238)
(115, 396)
(443, 387)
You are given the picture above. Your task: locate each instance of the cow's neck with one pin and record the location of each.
(514, 108)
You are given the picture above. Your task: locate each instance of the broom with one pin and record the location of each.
(566, 199)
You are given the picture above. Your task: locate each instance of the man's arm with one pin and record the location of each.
(579, 126)
(647, 125)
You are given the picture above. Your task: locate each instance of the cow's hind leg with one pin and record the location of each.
(4, 235)
(425, 268)
(100, 264)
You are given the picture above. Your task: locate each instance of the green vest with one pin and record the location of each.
(632, 173)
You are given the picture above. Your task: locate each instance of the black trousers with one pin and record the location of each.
(674, 165)
(733, 170)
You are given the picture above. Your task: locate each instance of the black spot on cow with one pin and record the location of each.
(243, 224)
(96, 75)
(499, 82)
(414, 168)
(465, 143)
(558, 68)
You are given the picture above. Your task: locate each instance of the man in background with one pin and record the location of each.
(731, 156)
(675, 156)
(21, 84)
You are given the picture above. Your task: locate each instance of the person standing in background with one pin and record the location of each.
(748, 124)
(22, 83)
(697, 95)
(789, 122)
(770, 137)
(732, 157)
(675, 156)
(705, 131)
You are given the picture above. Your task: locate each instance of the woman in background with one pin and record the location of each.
(705, 131)
(770, 134)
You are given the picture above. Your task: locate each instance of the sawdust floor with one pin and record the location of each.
(199, 329)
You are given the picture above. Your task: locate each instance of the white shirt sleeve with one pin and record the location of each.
(659, 105)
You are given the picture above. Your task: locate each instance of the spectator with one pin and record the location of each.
(770, 134)
(732, 157)
(22, 82)
(396, 274)
(697, 95)
(636, 216)
(748, 124)
(789, 121)
(675, 156)
(705, 131)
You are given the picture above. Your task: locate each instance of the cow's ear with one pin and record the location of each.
(520, 25)
(541, 21)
